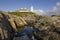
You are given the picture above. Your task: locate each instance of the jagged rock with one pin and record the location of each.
(1, 34)
(11, 21)
(47, 28)
(57, 30)
(20, 21)
(5, 28)
(52, 36)
(16, 22)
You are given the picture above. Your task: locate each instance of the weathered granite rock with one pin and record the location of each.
(46, 28)
(5, 28)
(12, 23)
(19, 22)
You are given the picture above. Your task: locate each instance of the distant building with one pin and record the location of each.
(23, 10)
(26, 10)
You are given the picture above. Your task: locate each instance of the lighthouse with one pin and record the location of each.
(31, 9)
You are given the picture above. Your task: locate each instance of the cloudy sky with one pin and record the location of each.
(43, 5)
(55, 9)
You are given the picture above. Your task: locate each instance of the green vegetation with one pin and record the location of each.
(22, 13)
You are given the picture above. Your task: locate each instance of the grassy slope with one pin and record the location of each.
(22, 13)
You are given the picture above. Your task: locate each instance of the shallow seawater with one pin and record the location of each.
(27, 31)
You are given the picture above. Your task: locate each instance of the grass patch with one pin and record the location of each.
(22, 13)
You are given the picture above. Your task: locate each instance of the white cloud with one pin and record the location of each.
(55, 10)
(58, 3)
(39, 12)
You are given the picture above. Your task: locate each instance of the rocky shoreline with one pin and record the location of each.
(47, 27)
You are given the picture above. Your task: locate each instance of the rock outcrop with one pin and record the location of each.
(46, 27)
(9, 24)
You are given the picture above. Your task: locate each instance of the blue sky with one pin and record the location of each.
(10, 5)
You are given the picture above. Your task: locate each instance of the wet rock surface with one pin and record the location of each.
(25, 37)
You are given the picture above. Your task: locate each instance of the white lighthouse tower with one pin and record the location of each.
(31, 9)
